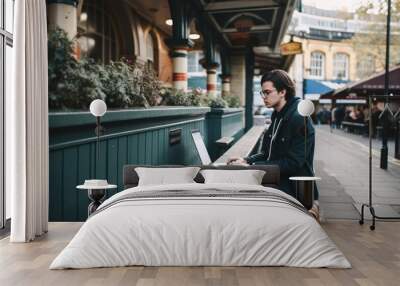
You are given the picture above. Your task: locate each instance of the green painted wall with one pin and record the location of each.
(131, 137)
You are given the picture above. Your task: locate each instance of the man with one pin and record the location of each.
(283, 143)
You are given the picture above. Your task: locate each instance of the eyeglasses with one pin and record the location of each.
(265, 93)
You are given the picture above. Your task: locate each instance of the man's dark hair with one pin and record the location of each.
(281, 81)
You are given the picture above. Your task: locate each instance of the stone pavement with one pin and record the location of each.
(341, 160)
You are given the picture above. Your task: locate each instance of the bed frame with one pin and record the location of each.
(270, 179)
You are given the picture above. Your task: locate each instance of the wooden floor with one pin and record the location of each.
(375, 257)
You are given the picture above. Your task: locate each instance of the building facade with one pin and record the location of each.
(329, 59)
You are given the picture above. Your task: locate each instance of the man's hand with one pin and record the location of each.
(237, 161)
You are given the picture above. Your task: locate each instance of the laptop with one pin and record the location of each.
(202, 149)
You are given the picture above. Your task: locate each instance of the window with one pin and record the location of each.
(150, 48)
(218, 60)
(9, 12)
(341, 66)
(193, 62)
(6, 62)
(365, 66)
(98, 32)
(317, 65)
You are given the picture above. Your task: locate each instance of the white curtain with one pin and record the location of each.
(27, 124)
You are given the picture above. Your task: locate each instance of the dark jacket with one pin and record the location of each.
(288, 146)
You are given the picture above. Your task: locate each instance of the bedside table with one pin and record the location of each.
(96, 195)
(305, 190)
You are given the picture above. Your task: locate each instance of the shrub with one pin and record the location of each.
(150, 85)
(175, 97)
(72, 83)
(121, 85)
(217, 102)
(232, 100)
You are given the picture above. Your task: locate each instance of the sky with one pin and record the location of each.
(349, 5)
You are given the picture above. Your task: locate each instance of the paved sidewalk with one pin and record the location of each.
(341, 160)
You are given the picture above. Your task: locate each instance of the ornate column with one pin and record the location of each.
(211, 78)
(179, 62)
(226, 84)
(226, 72)
(180, 42)
(63, 14)
(209, 61)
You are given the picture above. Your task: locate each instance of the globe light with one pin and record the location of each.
(84, 17)
(98, 107)
(194, 36)
(305, 107)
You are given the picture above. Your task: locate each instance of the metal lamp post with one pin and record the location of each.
(98, 108)
(305, 185)
(384, 148)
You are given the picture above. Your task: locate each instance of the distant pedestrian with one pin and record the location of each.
(333, 117)
(339, 116)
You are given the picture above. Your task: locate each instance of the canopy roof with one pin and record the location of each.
(373, 85)
(259, 23)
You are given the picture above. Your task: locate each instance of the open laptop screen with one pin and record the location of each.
(201, 148)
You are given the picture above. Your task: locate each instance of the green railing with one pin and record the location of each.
(155, 136)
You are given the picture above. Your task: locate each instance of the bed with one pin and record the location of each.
(198, 224)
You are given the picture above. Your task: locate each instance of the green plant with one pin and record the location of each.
(120, 83)
(171, 96)
(217, 102)
(232, 100)
(72, 83)
(175, 97)
(150, 85)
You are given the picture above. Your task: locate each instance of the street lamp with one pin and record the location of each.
(305, 109)
(98, 108)
(305, 185)
(384, 149)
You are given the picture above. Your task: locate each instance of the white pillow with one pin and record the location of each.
(248, 177)
(166, 176)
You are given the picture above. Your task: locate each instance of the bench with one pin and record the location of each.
(244, 146)
(355, 127)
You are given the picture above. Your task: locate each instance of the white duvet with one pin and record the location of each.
(200, 231)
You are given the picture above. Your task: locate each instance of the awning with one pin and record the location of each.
(373, 85)
(313, 88)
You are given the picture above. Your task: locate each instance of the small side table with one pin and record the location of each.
(305, 190)
(96, 195)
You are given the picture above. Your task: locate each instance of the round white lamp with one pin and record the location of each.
(305, 107)
(98, 107)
